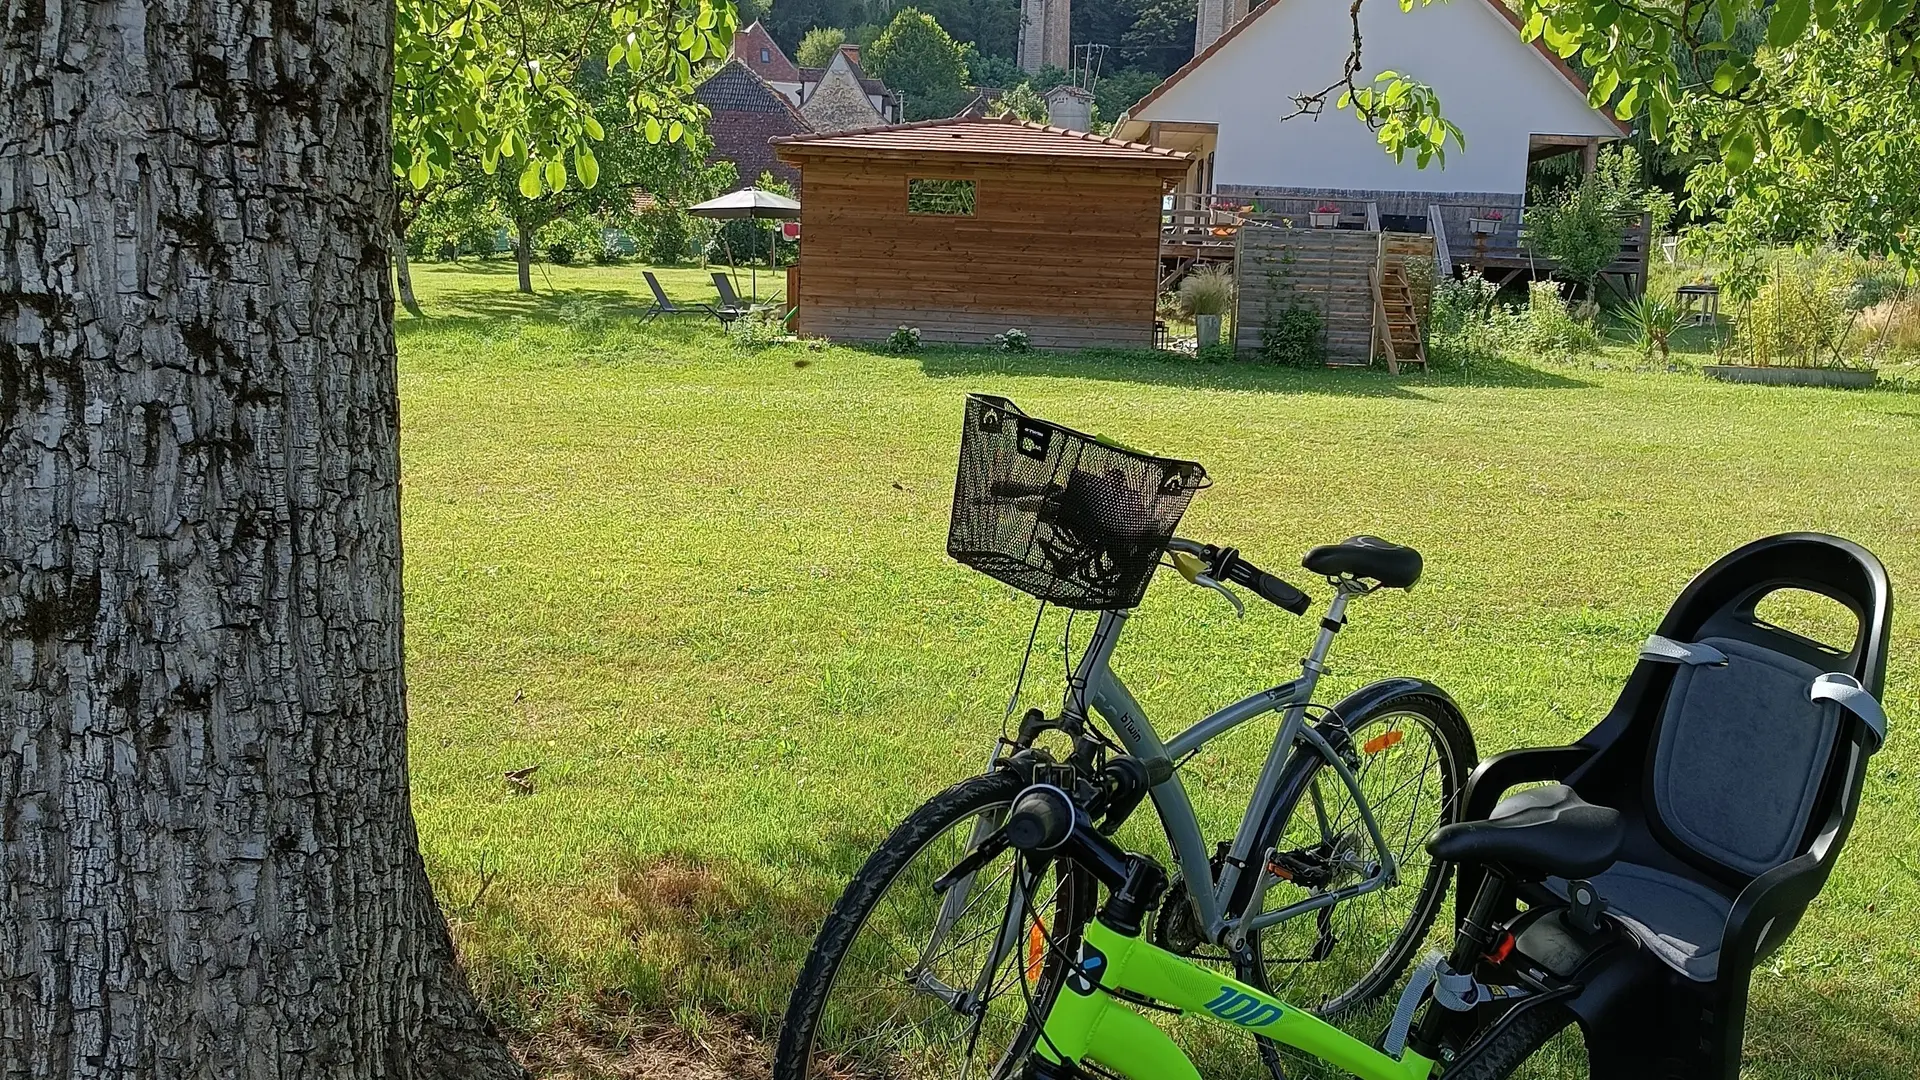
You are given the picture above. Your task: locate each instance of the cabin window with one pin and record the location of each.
(765, 56)
(953, 198)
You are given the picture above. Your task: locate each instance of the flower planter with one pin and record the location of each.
(1792, 376)
(1206, 331)
(1324, 221)
(1484, 226)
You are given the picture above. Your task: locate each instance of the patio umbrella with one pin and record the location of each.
(749, 202)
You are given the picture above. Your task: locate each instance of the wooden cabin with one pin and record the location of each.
(968, 227)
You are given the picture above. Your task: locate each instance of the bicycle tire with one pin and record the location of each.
(795, 1057)
(1512, 1045)
(1449, 732)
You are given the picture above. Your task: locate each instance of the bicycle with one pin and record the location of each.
(1710, 873)
(1288, 894)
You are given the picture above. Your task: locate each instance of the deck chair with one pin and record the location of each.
(731, 306)
(664, 305)
(1734, 757)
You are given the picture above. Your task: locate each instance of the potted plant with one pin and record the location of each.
(1206, 294)
(1325, 216)
(1487, 222)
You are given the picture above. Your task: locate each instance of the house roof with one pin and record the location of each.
(1566, 72)
(982, 100)
(1003, 137)
(746, 114)
(746, 48)
(839, 102)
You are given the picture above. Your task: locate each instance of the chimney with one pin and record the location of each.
(853, 53)
(1214, 18)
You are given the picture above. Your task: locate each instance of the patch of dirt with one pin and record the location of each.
(648, 1049)
(669, 888)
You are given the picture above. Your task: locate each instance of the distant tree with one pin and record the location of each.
(1048, 77)
(995, 71)
(1021, 103)
(863, 35)
(918, 58)
(818, 45)
(1116, 93)
(1161, 37)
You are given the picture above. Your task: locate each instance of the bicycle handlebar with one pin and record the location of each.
(1041, 819)
(1226, 564)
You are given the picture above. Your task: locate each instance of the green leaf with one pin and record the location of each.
(530, 180)
(1629, 102)
(1604, 84)
(557, 174)
(1867, 15)
(1724, 76)
(1659, 114)
(1737, 148)
(1812, 134)
(653, 129)
(676, 131)
(418, 175)
(1788, 22)
(594, 130)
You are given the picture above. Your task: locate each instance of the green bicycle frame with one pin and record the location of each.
(1088, 1024)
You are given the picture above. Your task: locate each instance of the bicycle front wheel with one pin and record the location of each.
(911, 984)
(1410, 755)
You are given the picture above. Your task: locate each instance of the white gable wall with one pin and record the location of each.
(1497, 88)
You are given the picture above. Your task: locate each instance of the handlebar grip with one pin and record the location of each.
(1041, 819)
(1270, 588)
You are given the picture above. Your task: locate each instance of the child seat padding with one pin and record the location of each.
(1680, 921)
(1741, 753)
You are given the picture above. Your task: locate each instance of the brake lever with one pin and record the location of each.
(1193, 568)
(1239, 609)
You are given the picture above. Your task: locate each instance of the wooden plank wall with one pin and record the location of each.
(1068, 254)
(1328, 270)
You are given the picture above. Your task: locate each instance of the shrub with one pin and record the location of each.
(666, 234)
(1799, 318)
(1549, 326)
(1877, 283)
(1651, 322)
(1168, 305)
(1577, 229)
(904, 339)
(571, 238)
(1461, 303)
(1014, 340)
(1291, 337)
(1207, 291)
(757, 328)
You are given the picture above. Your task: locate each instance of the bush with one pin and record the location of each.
(1799, 318)
(1876, 284)
(904, 339)
(1459, 304)
(665, 234)
(1291, 336)
(1549, 327)
(1890, 325)
(1014, 340)
(570, 238)
(757, 328)
(1207, 291)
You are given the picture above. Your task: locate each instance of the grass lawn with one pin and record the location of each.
(704, 589)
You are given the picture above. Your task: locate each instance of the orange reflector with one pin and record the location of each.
(1382, 741)
(1036, 951)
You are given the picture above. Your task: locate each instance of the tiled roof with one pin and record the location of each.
(747, 45)
(746, 114)
(981, 137)
(738, 88)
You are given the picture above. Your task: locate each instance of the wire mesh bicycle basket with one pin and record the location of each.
(1072, 519)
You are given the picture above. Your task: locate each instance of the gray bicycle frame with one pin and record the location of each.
(1095, 684)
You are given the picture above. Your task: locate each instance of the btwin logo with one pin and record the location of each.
(1237, 1007)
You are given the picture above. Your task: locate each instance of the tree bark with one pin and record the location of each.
(208, 865)
(523, 254)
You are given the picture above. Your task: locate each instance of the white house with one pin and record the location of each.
(1514, 103)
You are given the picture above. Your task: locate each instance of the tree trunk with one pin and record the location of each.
(208, 865)
(404, 275)
(523, 254)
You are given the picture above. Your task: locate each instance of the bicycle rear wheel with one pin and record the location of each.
(1410, 754)
(909, 984)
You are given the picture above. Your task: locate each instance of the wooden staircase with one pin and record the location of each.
(1396, 322)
